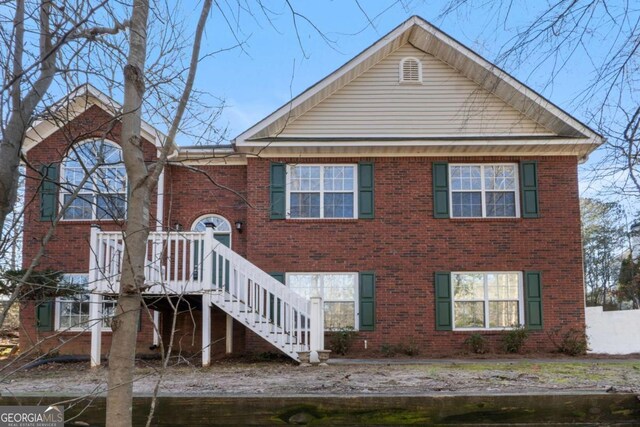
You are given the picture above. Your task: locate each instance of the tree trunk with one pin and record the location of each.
(125, 323)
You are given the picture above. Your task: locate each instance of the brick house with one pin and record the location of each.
(418, 194)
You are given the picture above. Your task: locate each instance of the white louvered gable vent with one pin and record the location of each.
(410, 70)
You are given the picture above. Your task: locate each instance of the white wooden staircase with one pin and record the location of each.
(195, 263)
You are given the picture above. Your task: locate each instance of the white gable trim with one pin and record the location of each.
(71, 106)
(431, 40)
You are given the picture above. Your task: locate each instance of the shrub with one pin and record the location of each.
(574, 342)
(390, 350)
(476, 343)
(340, 340)
(514, 339)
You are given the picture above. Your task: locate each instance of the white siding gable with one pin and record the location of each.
(445, 104)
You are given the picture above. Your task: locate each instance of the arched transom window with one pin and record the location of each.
(96, 167)
(410, 70)
(221, 231)
(221, 224)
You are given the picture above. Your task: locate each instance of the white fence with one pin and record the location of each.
(613, 332)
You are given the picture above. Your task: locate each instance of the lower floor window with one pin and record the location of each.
(338, 292)
(72, 312)
(487, 300)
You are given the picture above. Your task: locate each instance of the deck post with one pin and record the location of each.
(95, 299)
(207, 285)
(229, 335)
(316, 340)
(95, 320)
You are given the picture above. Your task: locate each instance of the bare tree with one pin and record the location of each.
(597, 38)
(603, 236)
(63, 30)
(142, 180)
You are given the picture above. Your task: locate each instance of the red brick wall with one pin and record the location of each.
(217, 190)
(405, 245)
(68, 250)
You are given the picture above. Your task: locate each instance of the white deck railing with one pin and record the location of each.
(195, 263)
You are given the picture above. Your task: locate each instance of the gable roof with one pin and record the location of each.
(569, 135)
(72, 105)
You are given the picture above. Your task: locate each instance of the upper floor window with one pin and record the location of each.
(410, 70)
(321, 191)
(97, 167)
(487, 300)
(484, 191)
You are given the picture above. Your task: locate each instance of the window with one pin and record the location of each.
(73, 311)
(410, 70)
(321, 191)
(103, 195)
(338, 292)
(487, 300)
(484, 191)
(221, 225)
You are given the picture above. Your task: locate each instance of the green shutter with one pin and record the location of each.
(48, 192)
(365, 190)
(440, 190)
(44, 316)
(280, 278)
(443, 301)
(367, 296)
(278, 190)
(529, 188)
(533, 299)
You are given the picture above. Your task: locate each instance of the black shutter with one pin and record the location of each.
(443, 301)
(48, 192)
(367, 296)
(44, 316)
(278, 182)
(533, 299)
(529, 188)
(365, 190)
(440, 190)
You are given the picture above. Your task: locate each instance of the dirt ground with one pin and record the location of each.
(280, 378)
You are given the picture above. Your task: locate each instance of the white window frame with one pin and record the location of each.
(215, 230)
(66, 189)
(486, 300)
(483, 190)
(321, 191)
(356, 293)
(61, 300)
(401, 78)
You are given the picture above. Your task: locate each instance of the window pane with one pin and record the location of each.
(500, 177)
(220, 224)
(503, 285)
(306, 285)
(501, 203)
(469, 314)
(339, 287)
(338, 178)
(305, 178)
(111, 180)
(111, 206)
(305, 205)
(466, 178)
(338, 205)
(468, 286)
(503, 314)
(339, 315)
(80, 207)
(466, 205)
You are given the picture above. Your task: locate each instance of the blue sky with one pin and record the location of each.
(272, 67)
